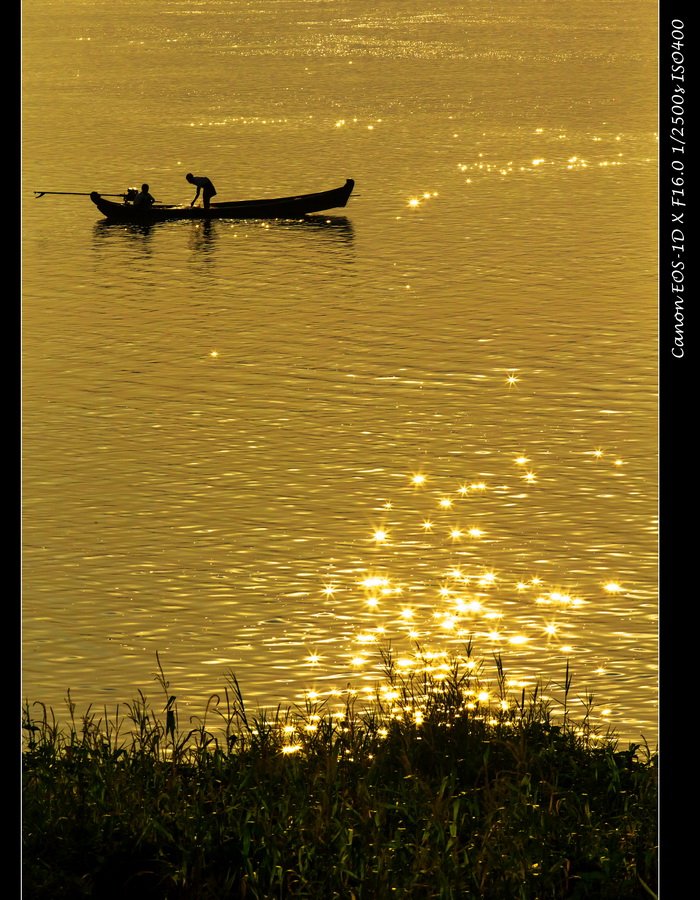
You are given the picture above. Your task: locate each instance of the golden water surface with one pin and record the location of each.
(426, 418)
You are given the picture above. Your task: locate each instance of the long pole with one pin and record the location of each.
(38, 194)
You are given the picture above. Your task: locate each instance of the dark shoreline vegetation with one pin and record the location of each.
(428, 792)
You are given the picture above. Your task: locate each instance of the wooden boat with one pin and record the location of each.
(277, 208)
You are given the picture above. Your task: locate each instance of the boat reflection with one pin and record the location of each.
(104, 229)
(337, 225)
(338, 228)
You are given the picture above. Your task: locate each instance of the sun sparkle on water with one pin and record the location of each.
(425, 583)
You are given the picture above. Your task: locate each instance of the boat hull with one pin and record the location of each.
(277, 208)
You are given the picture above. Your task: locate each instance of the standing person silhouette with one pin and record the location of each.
(204, 185)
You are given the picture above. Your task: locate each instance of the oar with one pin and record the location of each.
(74, 194)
